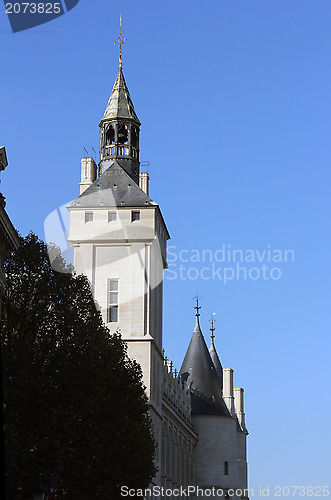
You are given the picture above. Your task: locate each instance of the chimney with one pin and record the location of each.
(228, 389)
(239, 406)
(144, 182)
(89, 173)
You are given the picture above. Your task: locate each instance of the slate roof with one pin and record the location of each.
(114, 188)
(216, 361)
(199, 374)
(120, 104)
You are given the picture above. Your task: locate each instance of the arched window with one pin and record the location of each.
(110, 136)
(123, 134)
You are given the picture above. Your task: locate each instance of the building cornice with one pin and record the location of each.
(155, 207)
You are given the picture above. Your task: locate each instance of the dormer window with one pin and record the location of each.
(135, 215)
(88, 216)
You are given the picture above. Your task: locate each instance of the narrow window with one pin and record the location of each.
(112, 216)
(112, 301)
(135, 215)
(110, 136)
(123, 134)
(88, 216)
(134, 137)
(226, 468)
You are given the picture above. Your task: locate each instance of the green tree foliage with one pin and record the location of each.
(74, 402)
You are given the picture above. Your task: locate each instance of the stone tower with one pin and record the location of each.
(119, 239)
(218, 418)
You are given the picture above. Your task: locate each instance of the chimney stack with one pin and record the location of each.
(89, 173)
(228, 389)
(144, 182)
(239, 406)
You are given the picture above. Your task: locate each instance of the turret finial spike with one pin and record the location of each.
(197, 307)
(120, 42)
(212, 328)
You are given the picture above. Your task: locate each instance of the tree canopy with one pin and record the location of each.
(74, 403)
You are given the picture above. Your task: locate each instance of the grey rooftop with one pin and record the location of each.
(114, 188)
(199, 374)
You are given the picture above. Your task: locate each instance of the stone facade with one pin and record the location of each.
(120, 241)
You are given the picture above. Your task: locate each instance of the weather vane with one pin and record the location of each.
(120, 42)
(197, 307)
(212, 327)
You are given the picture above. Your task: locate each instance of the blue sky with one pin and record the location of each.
(234, 100)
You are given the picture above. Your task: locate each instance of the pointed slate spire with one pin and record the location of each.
(120, 104)
(119, 131)
(199, 374)
(214, 355)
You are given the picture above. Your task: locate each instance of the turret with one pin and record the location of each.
(199, 374)
(217, 461)
(119, 131)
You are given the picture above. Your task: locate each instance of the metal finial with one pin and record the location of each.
(212, 328)
(120, 42)
(197, 307)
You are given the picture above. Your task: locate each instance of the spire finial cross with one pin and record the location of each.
(120, 42)
(197, 307)
(212, 328)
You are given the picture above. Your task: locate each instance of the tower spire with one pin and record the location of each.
(120, 42)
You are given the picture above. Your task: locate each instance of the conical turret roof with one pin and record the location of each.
(120, 104)
(216, 361)
(199, 374)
